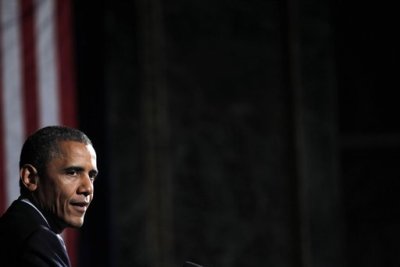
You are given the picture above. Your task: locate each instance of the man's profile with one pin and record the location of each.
(57, 170)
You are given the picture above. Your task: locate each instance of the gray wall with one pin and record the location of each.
(225, 137)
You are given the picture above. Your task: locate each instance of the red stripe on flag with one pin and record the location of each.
(29, 81)
(66, 63)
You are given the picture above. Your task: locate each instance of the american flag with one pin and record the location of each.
(37, 86)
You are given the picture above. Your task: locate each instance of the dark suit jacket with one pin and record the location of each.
(27, 240)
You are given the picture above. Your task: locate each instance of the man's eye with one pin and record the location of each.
(71, 172)
(92, 175)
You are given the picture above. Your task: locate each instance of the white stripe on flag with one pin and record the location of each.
(12, 95)
(48, 101)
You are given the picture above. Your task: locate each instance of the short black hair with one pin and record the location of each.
(43, 145)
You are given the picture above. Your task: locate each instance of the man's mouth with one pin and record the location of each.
(80, 206)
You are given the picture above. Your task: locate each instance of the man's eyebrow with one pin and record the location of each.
(80, 169)
(74, 168)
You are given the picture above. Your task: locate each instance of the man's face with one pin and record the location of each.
(66, 187)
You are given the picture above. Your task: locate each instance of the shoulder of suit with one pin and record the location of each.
(20, 221)
(25, 237)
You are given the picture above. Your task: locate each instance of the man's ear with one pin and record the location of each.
(29, 177)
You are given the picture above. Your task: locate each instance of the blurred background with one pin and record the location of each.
(228, 133)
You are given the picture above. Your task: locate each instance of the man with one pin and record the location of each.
(57, 171)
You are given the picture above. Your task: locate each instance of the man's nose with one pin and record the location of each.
(86, 186)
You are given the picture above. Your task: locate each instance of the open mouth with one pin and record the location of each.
(80, 206)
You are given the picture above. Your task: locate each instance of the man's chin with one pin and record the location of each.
(75, 223)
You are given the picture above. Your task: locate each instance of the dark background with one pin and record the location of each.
(240, 133)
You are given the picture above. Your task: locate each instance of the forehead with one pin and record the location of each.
(74, 149)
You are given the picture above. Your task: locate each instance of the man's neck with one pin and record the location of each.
(53, 222)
